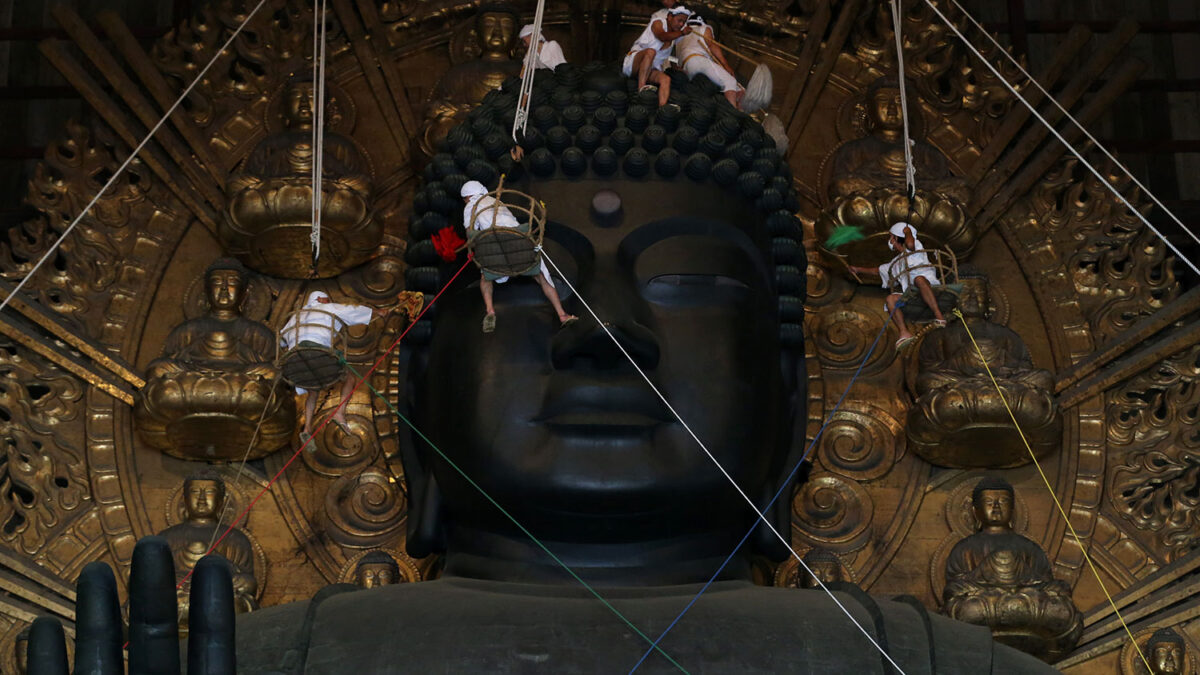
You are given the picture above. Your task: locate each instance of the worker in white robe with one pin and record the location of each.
(550, 53)
(910, 267)
(699, 54)
(482, 212)
(650, 52)
(315, 326)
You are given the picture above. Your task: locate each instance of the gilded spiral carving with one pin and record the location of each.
(844, 333)
(861, 442)
(832, 512)
(366, 510)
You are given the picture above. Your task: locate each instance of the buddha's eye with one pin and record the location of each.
(695, 289)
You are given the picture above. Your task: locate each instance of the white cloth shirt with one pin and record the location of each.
(647, 40)
(906, 267)
(695, 57)
(317, 322)
(550, 56)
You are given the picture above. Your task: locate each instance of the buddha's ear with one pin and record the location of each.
(791, 443)
(426, 515)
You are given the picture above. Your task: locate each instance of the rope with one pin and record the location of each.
(524, 98)
(653, 644)
(786, 483)
(325, 422)
(910, 169)
(1079, 125)
(714, 460)
(242, 465)
(128, 160)
(1112, 188)
(318, 143)
(1046, 480)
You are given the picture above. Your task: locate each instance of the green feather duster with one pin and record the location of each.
(844, 234)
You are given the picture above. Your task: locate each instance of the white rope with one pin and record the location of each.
(714, 460)
(318, 158)
(910, 169)
(1078, 125)
(132, 155)
(521, 118)
(1112, 188)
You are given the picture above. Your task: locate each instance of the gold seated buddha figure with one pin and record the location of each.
(867, 187)
(464, 85)
(1002, 580)
(216, 380)
(959, 419)
(204, 500)
(269, 221)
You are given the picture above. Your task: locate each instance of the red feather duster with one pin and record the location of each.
(447, 242)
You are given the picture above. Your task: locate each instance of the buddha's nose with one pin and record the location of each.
(588, 345)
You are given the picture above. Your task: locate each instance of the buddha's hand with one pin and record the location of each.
(153, 620)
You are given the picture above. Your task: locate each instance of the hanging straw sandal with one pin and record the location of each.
(489, 323)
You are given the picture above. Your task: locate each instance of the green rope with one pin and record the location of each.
(508, 515)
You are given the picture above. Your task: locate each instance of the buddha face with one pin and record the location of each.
(885, 109)
(994, 508)
(372, 575)
(203, 497)
(298, 108)
(225, 290)
(974, 301)
(496, 31)
(1166, 657)
(827, 571)
(556, 423)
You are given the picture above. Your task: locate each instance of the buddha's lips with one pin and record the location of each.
(594, 404)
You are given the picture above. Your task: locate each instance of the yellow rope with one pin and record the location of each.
(1046, 480)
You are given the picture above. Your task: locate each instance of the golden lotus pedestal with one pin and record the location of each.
(201, 417)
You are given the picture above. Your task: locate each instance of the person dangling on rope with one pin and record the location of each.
(650, 52)
(911, 266)
(699, 54)
(549, 52)
(488, 214)
(314, 326)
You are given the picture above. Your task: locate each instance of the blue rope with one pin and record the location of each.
(786, 483)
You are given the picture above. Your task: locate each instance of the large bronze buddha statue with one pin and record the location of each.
(700, 283)
(215, 393)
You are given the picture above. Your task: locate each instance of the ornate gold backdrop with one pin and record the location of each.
(1079, 279)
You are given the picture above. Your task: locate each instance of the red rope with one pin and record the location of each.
(323, 424)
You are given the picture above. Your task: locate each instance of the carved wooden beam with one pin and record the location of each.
(1164, 599)
(128, 130)
(1137, 362)
(134, 97)
(808, 55)
(367, 51)
(1131, 338)
(1053, 150)
(829, 56)
(1019, 115)
(33, 326)
(152, 78)
(1095, 65)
